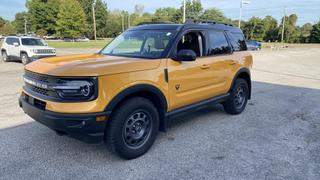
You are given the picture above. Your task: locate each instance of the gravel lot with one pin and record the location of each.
(277, 137)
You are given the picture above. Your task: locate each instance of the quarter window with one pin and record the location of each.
(237, 41)
(218, 43)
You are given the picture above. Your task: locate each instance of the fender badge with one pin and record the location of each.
(177, 87)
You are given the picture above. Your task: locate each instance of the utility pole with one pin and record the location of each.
(184, 11)
(94, 20)
(129, 24)
(25, 25)
(122, 22)
(283, 24)
(242, 2)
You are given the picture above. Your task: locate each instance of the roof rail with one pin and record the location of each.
(152, 23)
(204, 21)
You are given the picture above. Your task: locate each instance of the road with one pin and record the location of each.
(277, 136)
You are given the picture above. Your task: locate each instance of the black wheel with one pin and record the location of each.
(133, 128)
(238, 97)
(4, 56)
(24, 58)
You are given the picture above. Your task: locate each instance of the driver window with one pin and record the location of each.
(192, 41)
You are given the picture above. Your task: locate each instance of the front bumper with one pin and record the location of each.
(36, 57)
(84, 127)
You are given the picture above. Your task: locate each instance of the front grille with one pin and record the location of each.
(38, 90)
(38, 77)
(42, 79)
(44, 51)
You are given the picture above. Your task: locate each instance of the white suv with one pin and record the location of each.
(26, 49)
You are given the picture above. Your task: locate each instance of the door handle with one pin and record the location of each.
(205, 66)
(233, 62)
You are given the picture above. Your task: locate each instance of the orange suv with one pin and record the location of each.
(128, 91)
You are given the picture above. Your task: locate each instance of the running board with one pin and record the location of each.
(193, 107)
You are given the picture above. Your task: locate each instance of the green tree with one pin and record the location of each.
(194, 10)
(215, 14)
(305, 32)
(71, 19)
(2, 22)
(290, 32)
(101, 14)
(270, 26)
(254, 29)
(7, 29)
(166, 15)
(43, 14)
(113, 28)
(18, 22)
(315, 33)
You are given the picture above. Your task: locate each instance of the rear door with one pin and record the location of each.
(15, 50)
(219, 54)
(9, 46)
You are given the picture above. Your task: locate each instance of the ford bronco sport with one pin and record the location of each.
(146, 76)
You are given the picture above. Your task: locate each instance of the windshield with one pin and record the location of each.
(143, 43)
(32, 42)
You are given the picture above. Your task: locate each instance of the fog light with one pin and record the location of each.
(101, 118)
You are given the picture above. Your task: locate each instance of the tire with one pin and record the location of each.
(24, 58)
(4, 56)
(132, 128)
(238, 99)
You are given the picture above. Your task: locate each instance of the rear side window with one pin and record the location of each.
(237, 41)
(218, 43)
(10, 41)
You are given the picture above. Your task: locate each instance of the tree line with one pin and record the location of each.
(74, 18)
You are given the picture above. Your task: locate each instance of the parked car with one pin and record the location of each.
(145, 77)
(254, 45)
(68, 39)
(82, 39)
(52, 38)
(25, 48)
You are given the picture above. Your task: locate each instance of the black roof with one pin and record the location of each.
(178, 27)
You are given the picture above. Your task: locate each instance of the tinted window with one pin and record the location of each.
(32, 42)
(218, 43)
(237, 41)
(190, 41)
(10, 41)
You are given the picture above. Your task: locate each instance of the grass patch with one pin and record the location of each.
(91, 44)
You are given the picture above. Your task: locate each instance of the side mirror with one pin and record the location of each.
(186, 55)
(16, 44)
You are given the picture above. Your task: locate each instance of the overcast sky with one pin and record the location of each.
(307, 10)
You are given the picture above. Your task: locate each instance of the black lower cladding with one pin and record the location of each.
(80, 126)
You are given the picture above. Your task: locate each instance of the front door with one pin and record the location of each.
(190, 82)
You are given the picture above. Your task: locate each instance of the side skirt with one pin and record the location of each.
(193, 107)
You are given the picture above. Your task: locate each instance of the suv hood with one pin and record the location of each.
(90, 65)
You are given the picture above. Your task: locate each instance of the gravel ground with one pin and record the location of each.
(277, 137)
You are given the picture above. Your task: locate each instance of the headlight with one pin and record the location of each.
(53, 51)
(76, 89)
